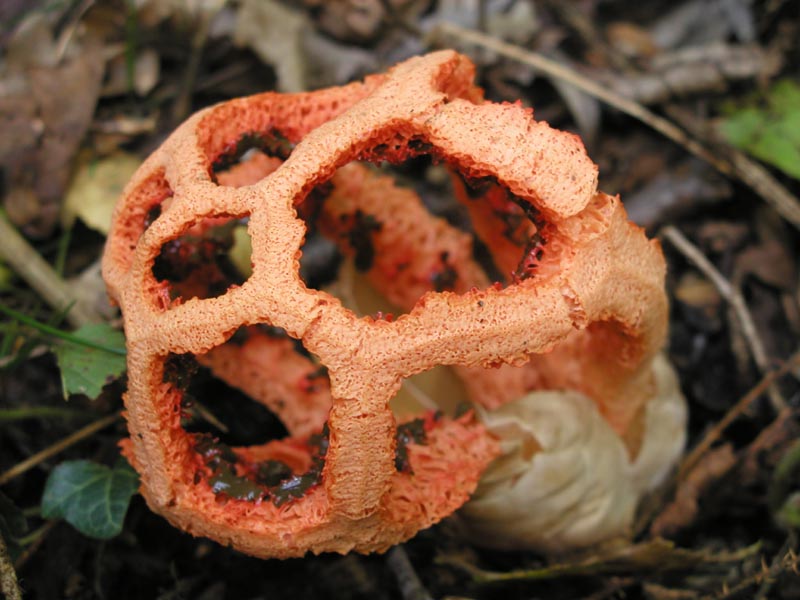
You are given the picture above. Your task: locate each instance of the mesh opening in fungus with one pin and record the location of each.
(205, 262)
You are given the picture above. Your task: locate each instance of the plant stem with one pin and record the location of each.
(713, 434)
(734, 297)
(58, 332)
(59, 446)
(411, 587)
(26, 261)
(35, 540)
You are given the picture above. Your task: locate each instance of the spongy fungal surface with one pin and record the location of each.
(583, 307)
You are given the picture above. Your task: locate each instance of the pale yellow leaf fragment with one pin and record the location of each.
(95, 188)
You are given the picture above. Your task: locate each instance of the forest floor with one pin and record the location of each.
(691, 109)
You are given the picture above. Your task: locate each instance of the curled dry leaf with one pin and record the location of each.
(582, 305)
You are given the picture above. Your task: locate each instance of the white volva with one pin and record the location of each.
(565, 480)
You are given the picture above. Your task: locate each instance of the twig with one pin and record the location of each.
(751, 172)
(755, 176)
(26, 261)
(9, 415)
(57, 447)
(9, 585)
(776, 566)
(785, 560)
(733, 296)
(68, 32)
(36, 540)
(411, 588)
(713, 434)
(183, 102)
(204, 413)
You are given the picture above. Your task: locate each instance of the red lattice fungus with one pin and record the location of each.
(583, 308)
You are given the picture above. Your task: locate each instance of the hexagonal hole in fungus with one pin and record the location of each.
(135, 217)
(254, 410)
(207, 260)
(421, 226)
(254, 156)
(392, 233)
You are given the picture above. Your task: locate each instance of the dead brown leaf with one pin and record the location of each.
(274, 32)
(683, 510)
(46, 107)
(761, 456)
(653, 591)
(700, 294)
(630, 39)
(722, 236)
(770, 262)
(349, 20)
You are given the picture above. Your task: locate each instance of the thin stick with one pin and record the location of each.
(9, 415)
(755, 176)
(411, 588)
(202, 28)
(26, 261)
(57, 447)
(733, 296)
(38, 539)
(692, 459)
(713, 434)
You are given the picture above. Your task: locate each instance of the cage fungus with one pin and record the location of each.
(579, 303)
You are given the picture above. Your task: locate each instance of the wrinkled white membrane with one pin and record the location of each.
(565, 480)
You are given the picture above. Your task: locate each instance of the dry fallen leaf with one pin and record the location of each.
(684, 508)
(274, 33)
(95, 188)
(89, 289)
(146, 72)
(770, 262)
(46, 107)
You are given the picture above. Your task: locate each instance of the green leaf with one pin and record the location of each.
(770, 132)
(91, 497)
(86, 369)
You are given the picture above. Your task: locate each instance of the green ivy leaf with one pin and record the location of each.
(91, 497)
(770, 132)
(86, 369)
